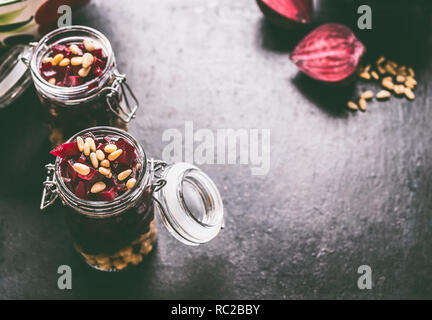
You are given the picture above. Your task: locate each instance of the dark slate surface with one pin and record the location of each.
(343, 189)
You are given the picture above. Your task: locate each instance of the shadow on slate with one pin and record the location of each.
(24, 136)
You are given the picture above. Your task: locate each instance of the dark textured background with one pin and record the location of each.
(344, 189)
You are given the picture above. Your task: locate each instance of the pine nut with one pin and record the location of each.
(375, 75)
(362, 104)
(367, 68)
(76, 61)
(399, 89)
(65, 62)
(83, 72)
(82, 169)
(367, 95)
(365, 75)
(86, 149)
(98, 187)
(109, 176)
(92, 144)
(52, 81)
(110, 148)
(383, 94)
(89, 45)
(351, 105)
(115, 155)
(411, 72)
(124, 174)
(409, 94)
(381, 69)
(58, 57)
(47, 59)
(400, 79)
(104, 171)
(387, 83)
(80, 144)
(74, 49)
(380, 60)
(130, 183)
(87, 60)
(390, 69)
(105, 163)
(410, 82)
(100, 155)
(94, 160)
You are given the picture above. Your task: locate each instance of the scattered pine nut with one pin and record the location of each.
(383, 94)
(380, 60)
(387, 83)
(375, 75)
(52, 81)
(409, 94)
(400, 79)
(411, 72)
(399, 89)
(381, 69)
(367, 68)
(352, 106)
(362, 104)
(367, 95)
(365, 75)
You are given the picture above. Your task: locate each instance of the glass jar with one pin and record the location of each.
(105, 100)
(113, 235)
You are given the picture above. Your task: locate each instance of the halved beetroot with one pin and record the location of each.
(64, 150)
(287, 13)
(330, 53)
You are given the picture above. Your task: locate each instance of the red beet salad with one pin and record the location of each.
(98, 169)
(73, 64)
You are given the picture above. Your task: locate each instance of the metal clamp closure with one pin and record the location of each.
(117, 98)
(50, 191)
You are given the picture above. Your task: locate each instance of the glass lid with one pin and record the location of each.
(189, 204)
(14, 74)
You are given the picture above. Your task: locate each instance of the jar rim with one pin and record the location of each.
(104, 208)
(83, 88)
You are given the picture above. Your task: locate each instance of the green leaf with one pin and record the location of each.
(8, 17)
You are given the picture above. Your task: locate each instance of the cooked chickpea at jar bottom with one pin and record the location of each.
(73, 64)
(90, 175)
